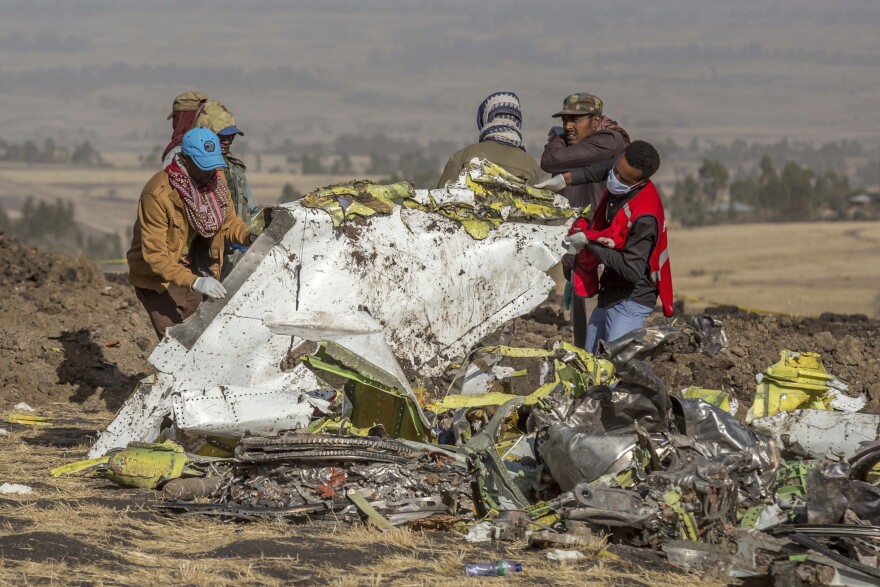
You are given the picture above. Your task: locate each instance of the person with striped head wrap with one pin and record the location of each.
(499, 122)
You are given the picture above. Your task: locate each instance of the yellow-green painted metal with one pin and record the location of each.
(146, 465)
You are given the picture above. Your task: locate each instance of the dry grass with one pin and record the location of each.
(802, 268)
(77, 531)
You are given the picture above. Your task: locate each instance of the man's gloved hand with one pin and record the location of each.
(210, 287)
(554, 184)
(575, 242)
(556, 131)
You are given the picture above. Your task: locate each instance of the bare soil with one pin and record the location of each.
(67, 332)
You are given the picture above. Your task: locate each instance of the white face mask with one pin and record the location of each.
(615, 186)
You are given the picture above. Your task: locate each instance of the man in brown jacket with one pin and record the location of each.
(585, 138)
(184, 215)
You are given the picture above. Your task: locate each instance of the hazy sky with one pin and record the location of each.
(719, 69)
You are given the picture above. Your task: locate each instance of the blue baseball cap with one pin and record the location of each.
(231, 130)
(203, 147)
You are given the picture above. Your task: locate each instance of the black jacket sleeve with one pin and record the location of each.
(591, 174)
(631, 261)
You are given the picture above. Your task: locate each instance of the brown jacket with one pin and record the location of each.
(514, 160)
(162, 235)
(601, 146)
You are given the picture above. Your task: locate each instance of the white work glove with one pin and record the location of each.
(575, 242)
(210, 287)
(554, 184)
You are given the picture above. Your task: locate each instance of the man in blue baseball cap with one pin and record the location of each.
(185, 213)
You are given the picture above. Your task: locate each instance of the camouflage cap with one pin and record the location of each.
(187, 101)
(215, 116)
(580, 104)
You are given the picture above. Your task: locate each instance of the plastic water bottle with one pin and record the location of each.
(496, 569)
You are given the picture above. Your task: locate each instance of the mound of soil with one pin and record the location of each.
(68, 333)
(849, 347)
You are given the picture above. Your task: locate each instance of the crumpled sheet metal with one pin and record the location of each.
(831, 492)
(358, 333)
(360, 198)
(638, 399)
(752, 456)
(435, 290)
(579, 457)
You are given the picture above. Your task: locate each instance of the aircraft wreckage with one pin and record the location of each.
(322, 388)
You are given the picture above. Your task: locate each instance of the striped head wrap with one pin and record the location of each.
(499, 119)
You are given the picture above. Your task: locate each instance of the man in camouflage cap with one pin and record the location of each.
(216, 117)
(579, 104)
(586, 137)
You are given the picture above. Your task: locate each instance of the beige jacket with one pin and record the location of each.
(162, 236)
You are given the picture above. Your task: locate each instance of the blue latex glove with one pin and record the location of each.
(567, 295)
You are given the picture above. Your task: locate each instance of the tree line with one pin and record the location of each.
(52, 226)
(764, 194)
(30, 152)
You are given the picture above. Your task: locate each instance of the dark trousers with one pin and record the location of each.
(170, 307)
(581, 308)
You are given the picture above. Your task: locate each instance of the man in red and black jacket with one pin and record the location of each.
(627, 236)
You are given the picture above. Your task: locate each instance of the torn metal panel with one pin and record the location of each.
(140, 417)
(797, 381)
(820, 433)
(434, 289)
(229, 411)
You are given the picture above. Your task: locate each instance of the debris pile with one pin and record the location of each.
(353, 374)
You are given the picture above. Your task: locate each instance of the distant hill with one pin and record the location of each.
(107, 72)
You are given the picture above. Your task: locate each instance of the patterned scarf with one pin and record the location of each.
(608, 124)
(499, 119)
(206, 206)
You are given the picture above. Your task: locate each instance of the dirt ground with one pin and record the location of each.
(848, 344)
(67, 332)
(72, 344)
